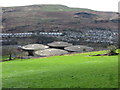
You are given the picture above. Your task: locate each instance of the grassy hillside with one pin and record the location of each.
(69, 71)
(50, 8)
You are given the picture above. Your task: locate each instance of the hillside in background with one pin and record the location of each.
(55, 18)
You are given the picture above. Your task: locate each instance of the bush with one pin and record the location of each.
(112, 50)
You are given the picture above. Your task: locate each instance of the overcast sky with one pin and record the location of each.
(99, 5)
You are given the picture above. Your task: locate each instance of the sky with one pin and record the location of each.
(99, 5)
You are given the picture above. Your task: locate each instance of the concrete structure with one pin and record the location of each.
(59, 45)
(78, 48)
(33, 47)
(50, 52)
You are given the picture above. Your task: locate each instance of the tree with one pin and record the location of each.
(9, 51)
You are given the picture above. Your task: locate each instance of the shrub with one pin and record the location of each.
(112, 50)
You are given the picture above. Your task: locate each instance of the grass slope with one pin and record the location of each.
(53, 8)
(60, 8)
(69, 71)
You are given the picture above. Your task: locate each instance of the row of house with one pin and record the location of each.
(97, 36)
(29, 34)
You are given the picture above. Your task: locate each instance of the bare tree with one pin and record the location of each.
(10, 51)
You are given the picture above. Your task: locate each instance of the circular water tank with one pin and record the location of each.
(59, 44)
(50, 52)
(78, 48)
(34, 47)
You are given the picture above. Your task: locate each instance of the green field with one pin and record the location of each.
(69, 71)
